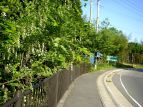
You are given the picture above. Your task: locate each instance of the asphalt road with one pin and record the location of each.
(130, 83)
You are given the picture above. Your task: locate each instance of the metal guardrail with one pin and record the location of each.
(48, 92)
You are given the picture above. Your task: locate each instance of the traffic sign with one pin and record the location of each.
(112, 58)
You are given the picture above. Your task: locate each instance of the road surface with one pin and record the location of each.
(130, 83)
(85, 93)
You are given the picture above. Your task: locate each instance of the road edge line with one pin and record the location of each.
(135, 101)
(115, 94)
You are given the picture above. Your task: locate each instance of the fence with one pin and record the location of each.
(48, 92)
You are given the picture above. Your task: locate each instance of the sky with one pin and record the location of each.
(125, 15)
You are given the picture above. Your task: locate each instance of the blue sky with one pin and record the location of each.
(125, 15)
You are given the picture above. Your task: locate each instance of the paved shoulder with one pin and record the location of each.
(84, 92)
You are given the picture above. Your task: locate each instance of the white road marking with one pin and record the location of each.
(128, 92)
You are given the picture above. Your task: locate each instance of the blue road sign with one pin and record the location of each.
(92, 58)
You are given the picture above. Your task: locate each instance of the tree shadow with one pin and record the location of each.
(128, 67)
(120, 65)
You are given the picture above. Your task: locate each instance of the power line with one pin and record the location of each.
(129, 8)
(133, 5)
(125, 15)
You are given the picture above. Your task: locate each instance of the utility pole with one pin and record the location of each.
(90, 11)
(97, 18)
(97, 22)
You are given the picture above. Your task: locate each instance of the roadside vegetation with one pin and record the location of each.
(104, 66)
(40, 37)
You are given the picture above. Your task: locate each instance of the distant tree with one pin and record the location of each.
(110, 41)
(135, 52)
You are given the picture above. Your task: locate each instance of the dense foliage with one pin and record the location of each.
(40, 37)
(135, 51)
(37, 38)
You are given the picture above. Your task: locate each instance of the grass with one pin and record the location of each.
(140, 66)
(124, 65)
(106, 66)
(129, 65)
(101, 67)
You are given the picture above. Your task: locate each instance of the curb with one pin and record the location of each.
(104, 95)
(109, 94)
